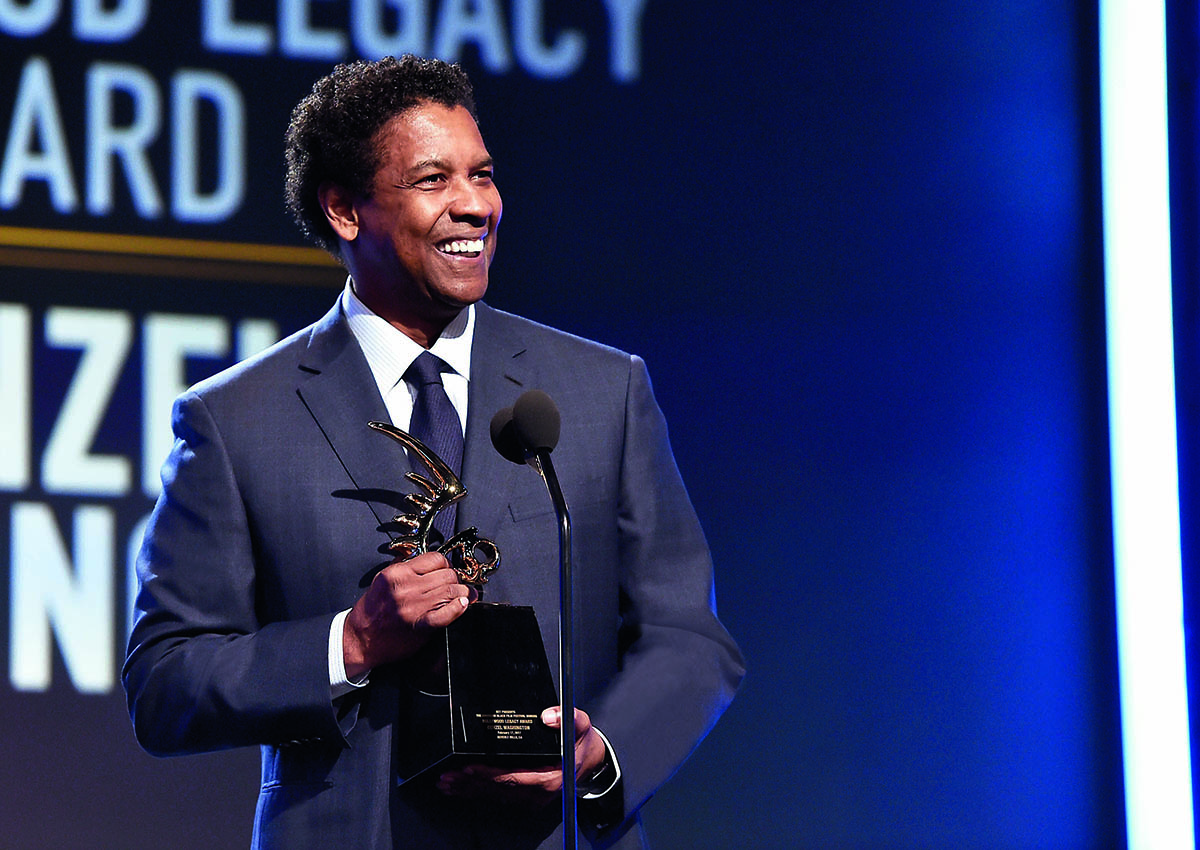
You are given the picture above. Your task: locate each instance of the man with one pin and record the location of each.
(264, 616)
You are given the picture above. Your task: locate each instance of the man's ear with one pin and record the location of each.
(338, 205)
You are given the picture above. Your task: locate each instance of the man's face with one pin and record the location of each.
(427, 235)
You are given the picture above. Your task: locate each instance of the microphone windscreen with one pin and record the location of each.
(504, 436)
(536, 420)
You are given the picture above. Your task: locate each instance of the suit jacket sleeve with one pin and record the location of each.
(679, 666)
(202, 673)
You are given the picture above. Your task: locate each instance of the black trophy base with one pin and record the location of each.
(484, 704)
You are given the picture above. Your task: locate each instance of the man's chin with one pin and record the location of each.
(455, 298)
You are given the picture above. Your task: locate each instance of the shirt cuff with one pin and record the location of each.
(611, 779)
(339, 684)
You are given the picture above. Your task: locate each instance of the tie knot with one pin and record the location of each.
(426, 369)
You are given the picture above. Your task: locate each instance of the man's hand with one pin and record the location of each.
(405, 602)
(533, 788)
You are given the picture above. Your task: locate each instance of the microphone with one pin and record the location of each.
(536, 421)
(504, 436)
(526, 433)
(530, 426)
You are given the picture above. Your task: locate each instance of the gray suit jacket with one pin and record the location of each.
(269, 521)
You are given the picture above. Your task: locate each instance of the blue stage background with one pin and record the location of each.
(859, 248)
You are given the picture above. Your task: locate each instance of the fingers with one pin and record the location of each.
(532, 788)
(426, 570)
(426, 563)
(405, 601)
(590, 750)
(443, 597)
(427, 580)
(552, 717)
(448, 607)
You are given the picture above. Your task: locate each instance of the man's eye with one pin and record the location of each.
(430, 180)
(484, 176)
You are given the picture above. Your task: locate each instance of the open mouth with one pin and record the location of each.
(462, 247)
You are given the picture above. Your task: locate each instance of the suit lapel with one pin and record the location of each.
(336, 386)
(500, 372)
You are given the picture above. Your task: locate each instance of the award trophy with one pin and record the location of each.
(476, 693)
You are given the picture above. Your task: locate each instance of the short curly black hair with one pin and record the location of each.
(332, 133)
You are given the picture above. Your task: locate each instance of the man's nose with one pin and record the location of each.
(474, 201)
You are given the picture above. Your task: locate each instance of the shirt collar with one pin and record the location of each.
(389, 351)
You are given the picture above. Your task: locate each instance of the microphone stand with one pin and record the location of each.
(540, 461)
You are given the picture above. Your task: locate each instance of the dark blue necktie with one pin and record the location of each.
(435, 423)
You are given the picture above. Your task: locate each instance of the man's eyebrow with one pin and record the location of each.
(441, 165)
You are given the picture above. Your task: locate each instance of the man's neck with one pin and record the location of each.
(424, 330)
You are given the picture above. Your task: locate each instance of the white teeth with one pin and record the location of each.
(463, 246)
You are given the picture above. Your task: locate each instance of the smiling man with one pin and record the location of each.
(419, 241)
(253, 626)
